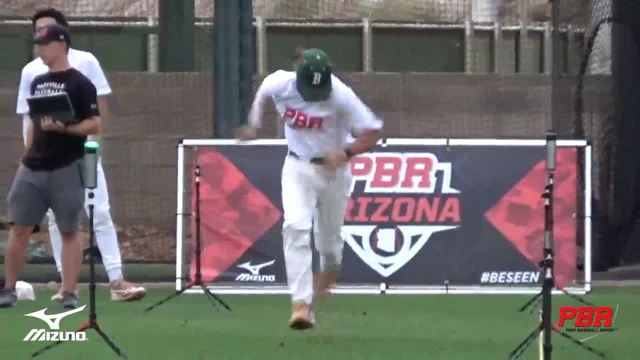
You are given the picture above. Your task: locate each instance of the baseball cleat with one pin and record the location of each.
(301, 317)
(122, 291)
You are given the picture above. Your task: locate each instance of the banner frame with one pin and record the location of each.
(382, 288)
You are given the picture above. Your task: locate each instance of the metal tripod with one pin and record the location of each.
(197, 281)
(545, 328)
(90, 177)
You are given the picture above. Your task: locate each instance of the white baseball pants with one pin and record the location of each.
(312, 196)
(106, 237)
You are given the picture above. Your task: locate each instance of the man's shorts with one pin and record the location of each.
(35, 192)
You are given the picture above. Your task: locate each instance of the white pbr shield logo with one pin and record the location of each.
(398, 200)
(386, 249)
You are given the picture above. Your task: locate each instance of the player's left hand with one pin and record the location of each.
(335, 159)
(49, 124)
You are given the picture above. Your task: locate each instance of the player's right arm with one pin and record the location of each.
(28, 135)
(99, 80)
(89, 112)
(27, 88)
(265, 92)
(22, 107)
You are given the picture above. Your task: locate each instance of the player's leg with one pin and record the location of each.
(327, 232)
(56, 239)
(27, 207)
(67, 201)
(54, 234)
(298, 202)
(107, 240)
(56, 249)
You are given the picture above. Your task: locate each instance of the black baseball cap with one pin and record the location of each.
(313, 76)
(52, 33)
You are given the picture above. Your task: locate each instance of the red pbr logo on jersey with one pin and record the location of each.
(300, 120)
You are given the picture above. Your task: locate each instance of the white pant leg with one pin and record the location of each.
(56, 240)
(106, 237)
(328, 221)
(299, 197)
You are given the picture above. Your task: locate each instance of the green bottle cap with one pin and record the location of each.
(91, 145)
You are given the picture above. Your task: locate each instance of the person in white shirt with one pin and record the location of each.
(88, 65)
(319, 113)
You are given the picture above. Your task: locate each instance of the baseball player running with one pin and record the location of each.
(319, 112)
(106, 237)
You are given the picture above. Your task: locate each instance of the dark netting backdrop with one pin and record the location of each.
(604, 94)
(583, 105)
(430, 68)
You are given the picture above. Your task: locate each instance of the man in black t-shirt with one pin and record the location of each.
(51, 172)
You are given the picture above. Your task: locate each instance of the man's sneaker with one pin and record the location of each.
(69, 300)
(301, 317)
(58, 296)
(122, 290)
(8, 297)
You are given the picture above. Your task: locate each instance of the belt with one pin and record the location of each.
(315, 160)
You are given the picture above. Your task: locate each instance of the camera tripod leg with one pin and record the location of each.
(82, 327)
(109, 342)
(576, 297)
(45, 349)
(520, 349)
(534, 300)
(582, 345)
(209, 296)
(173, 295)
(213, 298)
(534, 305)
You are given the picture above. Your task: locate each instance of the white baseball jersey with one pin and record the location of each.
(313, 128)
(82, 61)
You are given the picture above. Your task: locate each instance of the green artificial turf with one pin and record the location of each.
(350, 327)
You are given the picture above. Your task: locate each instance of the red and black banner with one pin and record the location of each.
(418, 215)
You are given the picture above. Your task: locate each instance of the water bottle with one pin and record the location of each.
(91, 164)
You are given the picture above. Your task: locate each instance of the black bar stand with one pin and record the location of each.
(545, 328)
(197, 281)
(90, 183)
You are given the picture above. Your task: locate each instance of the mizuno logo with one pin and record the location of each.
(54, 320)
(255, 269)
(255, 275)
